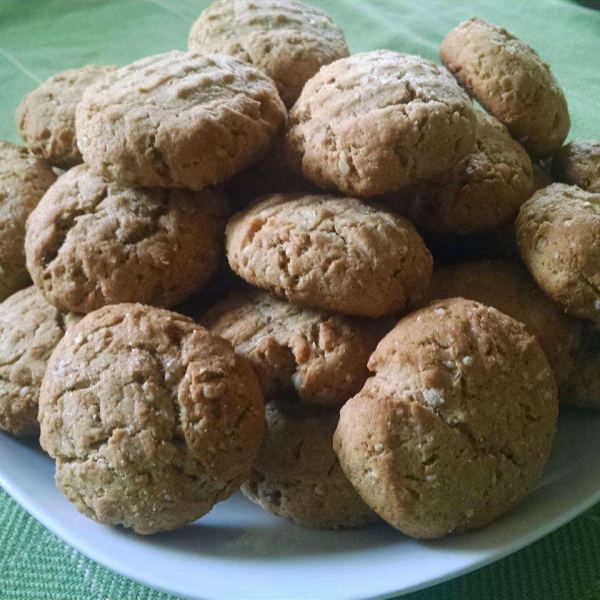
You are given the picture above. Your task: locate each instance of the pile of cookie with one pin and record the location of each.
(227, 294)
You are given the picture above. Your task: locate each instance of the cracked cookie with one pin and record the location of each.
(330, 253)
(455, 426)
(510, 80)
(297, 475)
(30, 328)
(376, 122)
(558, 233)
(23, 181)
(46, 116)
(483, 192)
(308, 355)
(151, 418)
(180, 119)
(509, 288)
(578, 163)
(92, 242)
(286, 39)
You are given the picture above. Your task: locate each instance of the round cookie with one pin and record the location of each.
(92, 242)
(151, 418)
(286, 39)
(457, 423)
(376, 122)
(180, 119)
(297, 475)
(308, 355)
(558, 233)
(46, 117)
(334, 254)
(509, 288)
(578, 163)
(23, 181)
(582, 386)
(30, 328)
(510, 80)
(483, 192)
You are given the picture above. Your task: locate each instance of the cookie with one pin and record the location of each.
(376, 122)
(286, 39)
(23, 181)
(483, 192)
(456, 424)
(578, 163)
(92, 242)
(307, 355)
(509, 288)
(582, 386)
(330, 253)
(180, 119)
(511, 81)
(151, 418)
(30, 328)
(46, 117)
(541, 177)
(297, 475)
(558, 233)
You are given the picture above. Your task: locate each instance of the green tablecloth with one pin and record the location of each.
(39, 37)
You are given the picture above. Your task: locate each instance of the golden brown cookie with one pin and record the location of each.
(30, 328)
(558, 232)
(509, 288)
(376, 122)
(483, 192)
(23, 181)
(151, 418)
(510, 80)
(578, 163)
(307, 355)
(334, 254)
(180, 119)
(286, 39)
(92, 242)
(297, 475)
(46, 117)
(457, 423)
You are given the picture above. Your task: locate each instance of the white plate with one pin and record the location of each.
(240, 551)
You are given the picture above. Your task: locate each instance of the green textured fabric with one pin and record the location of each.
(39, 37)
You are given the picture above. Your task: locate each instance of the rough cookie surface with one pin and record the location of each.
(578, 163)
(92, 242)
(558, 232)
(23, 181)
(46, 117)
(297, 475)
(316, 357)
(509, 288)
(151, 418)
(180, 119)
(288, 40)
(334, 254)
(483, 192)
(510, 80)
(376, 122)
(457, 423)
(30, 328)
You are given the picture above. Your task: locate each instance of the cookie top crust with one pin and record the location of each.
(288, 40)
(46, 116)
(376, 122)
(578, 163)
(511, 81)
(92, 242)
(180, 119)
(558, 233)
(151, 418)
(330, 253)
